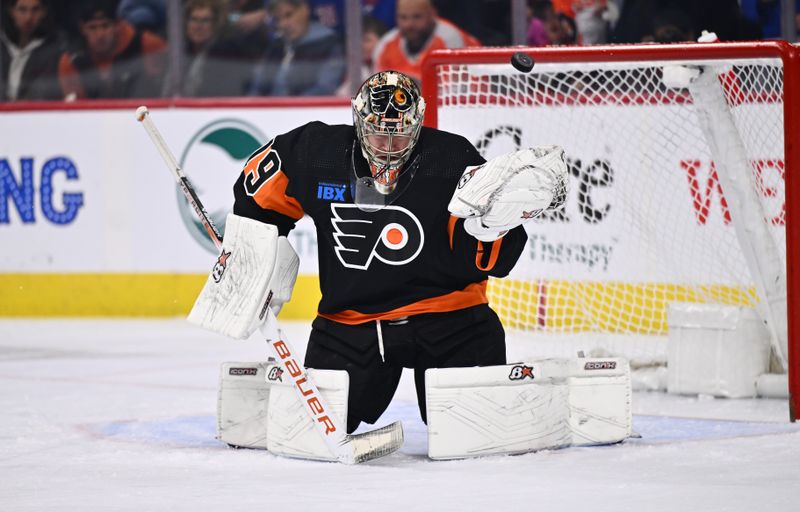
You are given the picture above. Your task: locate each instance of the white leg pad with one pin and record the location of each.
(518, 408)
(290, 431)
(242, 403)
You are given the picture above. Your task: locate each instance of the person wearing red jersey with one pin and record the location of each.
(419, 31)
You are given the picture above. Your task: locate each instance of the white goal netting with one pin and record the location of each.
(654, 201)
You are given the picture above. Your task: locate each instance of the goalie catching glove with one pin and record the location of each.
(256, 269)
(507, 190)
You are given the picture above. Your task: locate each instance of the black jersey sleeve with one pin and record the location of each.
(485, 259)
(263, 190)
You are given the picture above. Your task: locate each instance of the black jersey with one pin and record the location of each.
(407, 258)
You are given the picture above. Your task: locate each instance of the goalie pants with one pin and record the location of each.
(462, 338)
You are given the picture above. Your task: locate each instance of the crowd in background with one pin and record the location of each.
(87, 49)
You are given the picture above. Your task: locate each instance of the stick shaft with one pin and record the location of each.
(180, 177)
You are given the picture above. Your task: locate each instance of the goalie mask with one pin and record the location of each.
(387, 114)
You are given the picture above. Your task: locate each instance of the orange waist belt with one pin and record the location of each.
(472, 295)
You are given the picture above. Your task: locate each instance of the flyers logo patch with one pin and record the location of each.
(393, 235)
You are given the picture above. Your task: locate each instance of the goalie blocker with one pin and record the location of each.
(506, 409)
(256, 268)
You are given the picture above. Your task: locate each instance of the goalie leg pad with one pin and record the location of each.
(290, 431)
(256, 268)
(242, 402)
(525, 407)
(257, 408)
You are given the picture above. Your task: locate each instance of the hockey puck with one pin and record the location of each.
(522, 62)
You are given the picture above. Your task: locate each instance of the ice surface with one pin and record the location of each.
(119, 416)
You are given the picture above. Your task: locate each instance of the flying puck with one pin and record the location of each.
(522, 62)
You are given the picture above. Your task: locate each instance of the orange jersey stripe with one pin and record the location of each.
(472, 295)
(451, 228)
(271, 195)
(493, 255)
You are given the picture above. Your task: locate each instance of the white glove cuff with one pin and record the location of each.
(475, 227)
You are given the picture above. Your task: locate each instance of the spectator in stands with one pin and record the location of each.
(29, 51)
(372, 29)
(381, 10)
(248, 16)
(537, 33)
(419, 31)
(306, 59)
(144, 14)
(559, 27)
(767, 14)
(112, 60)
(671, 26)
(332, 13)
(474, 17)
(723, 17)
(592, 19)
(635, 21)
(496, 20)
(562, 30)
(214, 63)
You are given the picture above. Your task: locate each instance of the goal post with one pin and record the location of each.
(684, 164)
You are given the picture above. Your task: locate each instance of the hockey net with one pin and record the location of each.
(663, 164)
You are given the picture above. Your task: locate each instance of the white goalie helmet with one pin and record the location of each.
(387, 113)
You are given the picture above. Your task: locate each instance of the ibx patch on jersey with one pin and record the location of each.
(327, 191)
(392, 235)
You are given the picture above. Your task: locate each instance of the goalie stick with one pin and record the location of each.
(348, 448)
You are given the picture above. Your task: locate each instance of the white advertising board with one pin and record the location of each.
(86, 191)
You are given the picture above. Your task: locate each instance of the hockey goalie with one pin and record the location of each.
(411, 222)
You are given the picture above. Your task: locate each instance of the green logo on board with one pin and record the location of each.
(212, 160)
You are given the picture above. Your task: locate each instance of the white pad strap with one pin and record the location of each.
(256, 268)
(525, 407)
(510, 189)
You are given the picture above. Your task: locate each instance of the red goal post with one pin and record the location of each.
(656, 150)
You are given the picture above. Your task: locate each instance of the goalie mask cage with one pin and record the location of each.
(683, 167)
